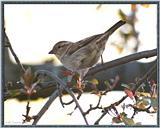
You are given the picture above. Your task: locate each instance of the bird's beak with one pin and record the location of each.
(51, 52)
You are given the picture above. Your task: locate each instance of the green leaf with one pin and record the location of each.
(106, 82)
(143, 85)
(122, 14)
(123, 114)
(154, 102)
(94, 81)
(143, 103)
(15, 92)
(99, 7)
(138, 123)
(125, 85)
(128, 121)
(108, 86)
(132, 86)
(116, 120)
(146, 101)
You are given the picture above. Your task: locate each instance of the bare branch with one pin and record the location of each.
(102, 94)
(111, 64)
(147, 75)
(94, 108)
(136, 109)
(122, 60)
(94, 70)
(46, 106)
(70, 102)
(8, 44)
(138, 83)
(63, 86)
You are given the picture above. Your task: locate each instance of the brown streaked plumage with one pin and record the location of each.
(81, 55)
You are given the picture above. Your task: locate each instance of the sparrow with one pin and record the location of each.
(80, 56)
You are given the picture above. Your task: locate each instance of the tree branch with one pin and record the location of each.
(111, 64)
(138, 83)
(94, 108)
(94, 70)
(122, 60)
(63, 86)
(45, 107)
(8, 44)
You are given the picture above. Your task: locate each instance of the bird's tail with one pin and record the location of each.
(115, 27)
(104, 36)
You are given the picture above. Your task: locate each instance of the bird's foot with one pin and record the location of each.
(102, 62)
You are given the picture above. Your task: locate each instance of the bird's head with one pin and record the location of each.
(60, 48)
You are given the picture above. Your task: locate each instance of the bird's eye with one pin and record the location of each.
(59, 46)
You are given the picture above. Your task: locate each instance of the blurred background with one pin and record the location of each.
(33, 29)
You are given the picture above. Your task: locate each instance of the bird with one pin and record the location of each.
(80, 56)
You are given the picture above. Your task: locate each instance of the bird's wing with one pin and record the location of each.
(82, 43)
(101, 38)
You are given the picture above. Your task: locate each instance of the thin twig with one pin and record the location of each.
(46, 106)
(102, 94)
(21, 91)
(60, 97)
(103, 114)
(138, 83)
(7, 42)
(96, 107)
(148, 74)
(111, 87)
(114, 63)
(136, 109)
(64, 86)
(70, 102)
